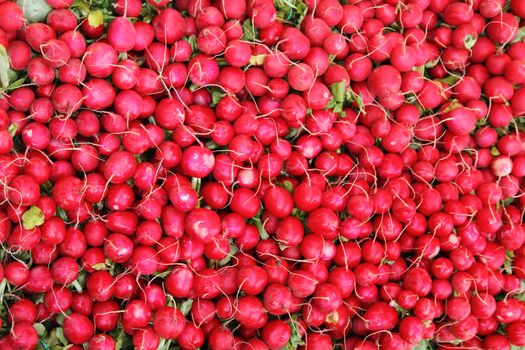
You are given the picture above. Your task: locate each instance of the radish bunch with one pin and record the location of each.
(259, 174)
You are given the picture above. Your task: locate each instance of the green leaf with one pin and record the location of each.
(257, 60)
(51, 341)
(470, 41)
(302, 10)
(356, 99)
(61, 213)
(60, 336)
(163, 274)
(222, 62)
(293, 132)
(60, 319)
(423, 345)
(212, 145)
(99, 266)
(164, 344)
(148, 12)
(4, 68)
(430, 64)
(291, 11)
(359, 102)
(194, 87)
(231, 253)
(40, 329)
(216, 96)
(339, 90)
(81, 7)
(122, 341)
(260, 227)
(17, 83)
(400, 309)
(32, 217)
(13, 128)
(250, 33)
(509, 257)
(196, 184)
(452, 106)
(420, 69)
(450, 80)
(296, 339)
(332, 103)
(519, 35)
(287, 185)
(96, 18)
(494, 151)
(282, 246)
(185, 307)
(192, 40)
(3, 286)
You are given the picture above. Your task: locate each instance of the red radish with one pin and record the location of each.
(145, 339)
(121, 34)
(100, 59)
(167, 26)
(380, 316)
(168, 322)
(363, 175)
(23, 336)
(78, 328)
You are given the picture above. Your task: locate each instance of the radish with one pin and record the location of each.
(120, 34)
(167, 26)
(98, 94)
(168, 322)
(178, 168)
(23, 336)
(61, 20)
(78, 328)
(100, 59)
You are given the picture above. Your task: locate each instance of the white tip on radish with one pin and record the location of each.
(502, 166)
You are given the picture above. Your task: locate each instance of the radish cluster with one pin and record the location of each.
(258, 174)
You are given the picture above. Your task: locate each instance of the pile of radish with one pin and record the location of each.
(260, 174)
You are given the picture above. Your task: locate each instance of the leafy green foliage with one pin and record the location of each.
(257, 60)
(32, 217)
(122, 341)
(12, 129)
(520, 35)
(148, 12)
(470, 41)
(40, 329)
(216, 96)
(192, 40)
(231, 253)
(98, 12)
(4, 68)
(61, 213)
(260, 226)
(164, 344)
(338, 97)
(423, 345)
(341, 96)
(60, 336)
(185, 307)
(95, 18)
(291, 11)
(296, 338)
(250, 33)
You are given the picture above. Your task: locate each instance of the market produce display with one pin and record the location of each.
(259, 174)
